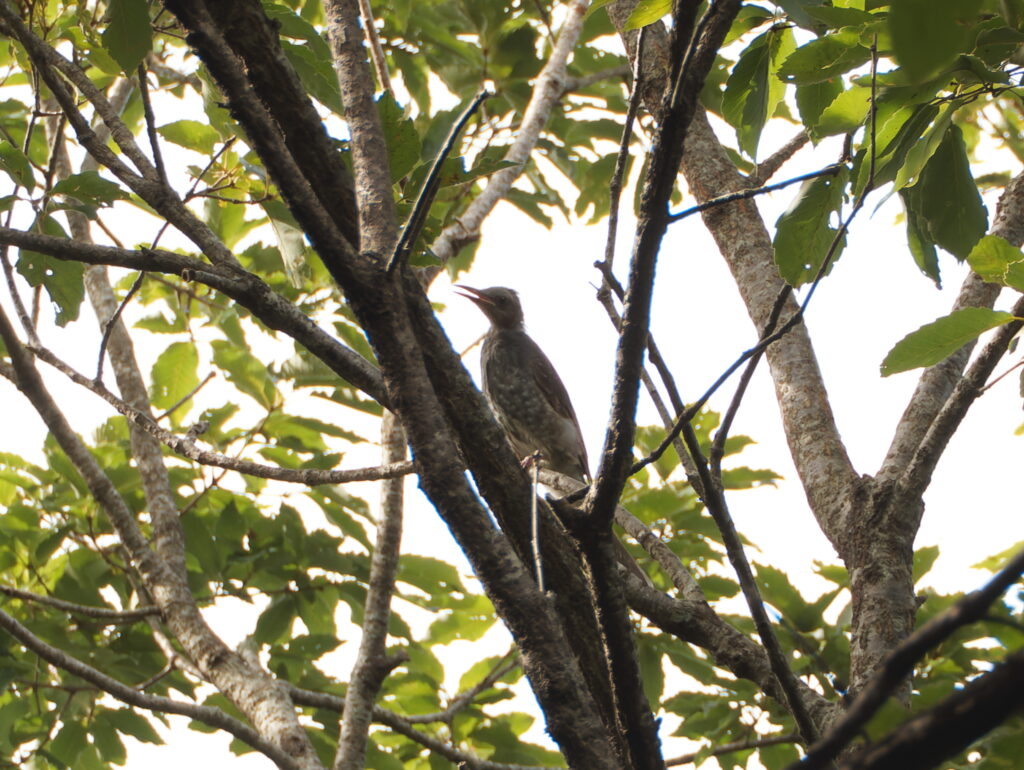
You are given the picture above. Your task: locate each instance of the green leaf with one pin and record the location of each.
(924, 558)
(812, 99)
(246, 372)
(175, 376)
(16, 165)
(400, 135)
(647, 12)
(998, 561)
(129, 36)
(130, 723)
(919, 239)
(845, 113)
(803, 233)
(191, 134)
(316, 72)
(753, 91)
(936, 341)
(928, 34)
(923, 149)
(824, 58)
(998, 261)
(291, 241)
(63, 280)
(950, 201)
(90, 187)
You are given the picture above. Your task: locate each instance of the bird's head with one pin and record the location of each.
(500, 305)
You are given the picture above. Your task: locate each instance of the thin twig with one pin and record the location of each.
(729, 748)
(418, 218)
(108, 327)
(154, 141)
(402, 726)
(615, 188)
(380, 64)
(96, 613)
(830, 170)
(505, 664)
(186, 446)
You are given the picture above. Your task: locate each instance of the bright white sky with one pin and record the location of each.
(874, 296)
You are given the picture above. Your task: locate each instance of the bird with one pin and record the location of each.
(525, 392)
(528, 397)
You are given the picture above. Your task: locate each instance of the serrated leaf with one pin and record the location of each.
(191, 134)
(400, 135)
(129, 35)
(936, 341)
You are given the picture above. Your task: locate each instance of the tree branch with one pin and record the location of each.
(209, 716)
(375, 200)
(937, 382)
(367, 672)
(547, 90)
(404, 726)
(899, 663)
(273, 310)
(105, 614)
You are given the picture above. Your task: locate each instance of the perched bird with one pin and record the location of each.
(528, 397)
(523, 388)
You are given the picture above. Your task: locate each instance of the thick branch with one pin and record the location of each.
(899, 663)
(940, 733)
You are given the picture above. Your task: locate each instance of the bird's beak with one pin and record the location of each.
(474, 295)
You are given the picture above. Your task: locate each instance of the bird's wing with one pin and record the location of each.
(554, 391)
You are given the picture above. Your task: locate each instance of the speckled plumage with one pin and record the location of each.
(524, 390)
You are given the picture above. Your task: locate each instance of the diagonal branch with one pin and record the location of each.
(273, 310)
(547, 90)
(105, 614)
(937, 382)
(899, 663)
(207, 715)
